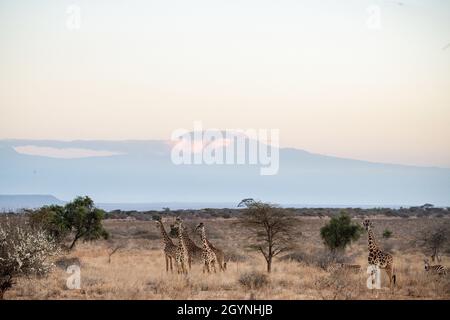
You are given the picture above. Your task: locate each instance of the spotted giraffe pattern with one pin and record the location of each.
(209, 257)
(170, 249)
(377, 257)
(194, 251)
(220, 256)
(182, 254)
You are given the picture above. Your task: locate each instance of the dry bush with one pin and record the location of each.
(138, 270)
(321, 258)
(253, 280)
(339, 285)
(23, 251)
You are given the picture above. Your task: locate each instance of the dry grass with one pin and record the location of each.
(137, 269)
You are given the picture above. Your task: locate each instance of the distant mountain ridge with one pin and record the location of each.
(142, 172)
(29, 201)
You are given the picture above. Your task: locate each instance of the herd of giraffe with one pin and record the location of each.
(187, 251)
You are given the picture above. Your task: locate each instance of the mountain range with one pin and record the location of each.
(141, 171)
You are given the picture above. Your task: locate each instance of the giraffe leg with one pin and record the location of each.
(179, 266)
(389, 273)
(170, 262)
(220, 263)
(190, 261)
(214, 266)
(167, 263)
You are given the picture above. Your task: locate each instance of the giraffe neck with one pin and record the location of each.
(181, 237)
(187, 240)
(164, 234)
(204, 240)
(372, 243)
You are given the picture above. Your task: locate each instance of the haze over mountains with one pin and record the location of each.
(127, 172)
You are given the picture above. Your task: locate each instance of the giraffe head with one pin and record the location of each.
(427, 264)
(367, 224)
(179, 225)
(200, 227)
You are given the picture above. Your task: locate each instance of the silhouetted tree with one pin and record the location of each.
(271, 228)
(436, 240)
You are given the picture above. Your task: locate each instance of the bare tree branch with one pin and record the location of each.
(271, 227)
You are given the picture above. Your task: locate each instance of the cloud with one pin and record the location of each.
(63, 153)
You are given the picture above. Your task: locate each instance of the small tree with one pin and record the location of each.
(271, 229)
(79, 218)
(84, 220)
(24, 250)
(340, 232)
(436, 240)
(387, 233)
(52, 219)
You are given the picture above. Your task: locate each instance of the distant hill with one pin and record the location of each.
(14, 202)
(142, 172)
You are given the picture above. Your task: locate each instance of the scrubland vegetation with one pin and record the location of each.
(129, 263)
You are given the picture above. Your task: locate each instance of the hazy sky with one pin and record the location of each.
(320, 71)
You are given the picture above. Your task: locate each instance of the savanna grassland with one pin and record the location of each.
(136, 269)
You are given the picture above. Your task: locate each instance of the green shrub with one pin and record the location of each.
(387, 233)
(340, 232)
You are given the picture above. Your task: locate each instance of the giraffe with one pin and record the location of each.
(435, 269)
(170, 250)
(182, 255)
(209, 257)
(194, 251)
(379, 258)
(220, 256)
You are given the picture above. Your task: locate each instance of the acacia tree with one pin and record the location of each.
(436, 240)
(271, 228)
(78, 218)
(84, 220)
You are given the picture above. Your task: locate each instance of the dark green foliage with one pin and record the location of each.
(340, 232)
(51, 219)
(79, 217)
(387, 233)
(84, 219)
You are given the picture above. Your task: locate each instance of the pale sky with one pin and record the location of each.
(319, 71)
